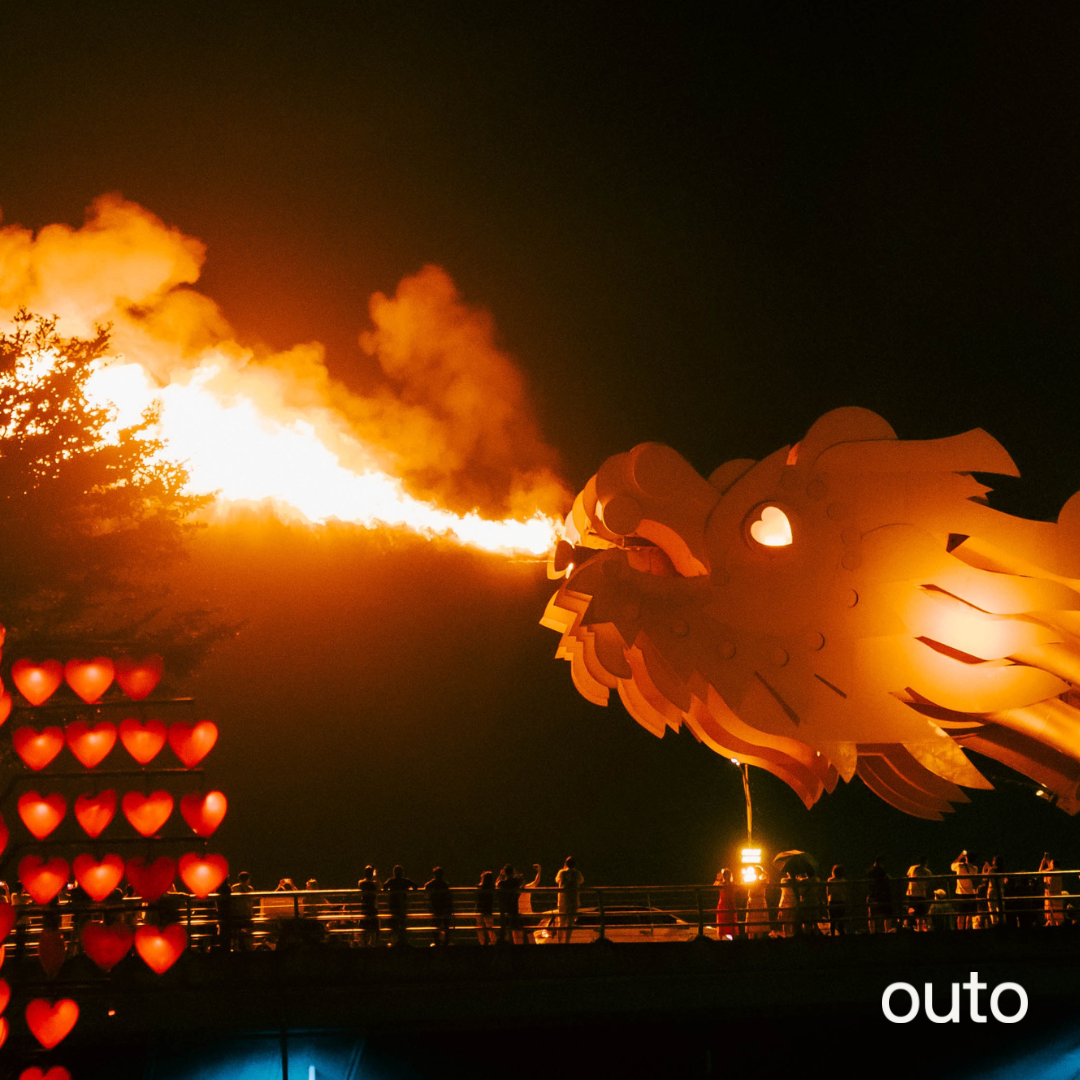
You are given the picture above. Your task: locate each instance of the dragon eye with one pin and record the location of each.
(772, 528)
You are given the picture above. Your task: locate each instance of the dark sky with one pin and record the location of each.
(700, 230)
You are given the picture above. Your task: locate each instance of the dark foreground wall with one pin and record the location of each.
(682, 1009)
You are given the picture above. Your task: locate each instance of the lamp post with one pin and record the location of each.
(749, 856)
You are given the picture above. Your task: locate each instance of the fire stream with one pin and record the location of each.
(451, 414)
(236, 449)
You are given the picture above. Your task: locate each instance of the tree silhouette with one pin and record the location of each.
(92, 515)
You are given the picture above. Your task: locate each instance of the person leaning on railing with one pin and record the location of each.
(966, 891)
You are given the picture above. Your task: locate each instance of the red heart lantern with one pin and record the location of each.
(203, 813)
(3, 1039)
(191, 743)
(91, 745)
(37, 682)
(137, 678)
(142, 742)
(151, 882)
(7, 918)
(90, 678)
(5, 707)
(106, 945)
(52, 951)
(41, 879)
(98, 879)
(3, 834)
(94, 812)
(50, 1023)
(203, 875)
(5, 995)
(160, 947)
(147, 813)
(38, 749)
(3, 953)
(40, 814)
(57, 1072)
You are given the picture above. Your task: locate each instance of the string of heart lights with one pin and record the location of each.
(122, 828)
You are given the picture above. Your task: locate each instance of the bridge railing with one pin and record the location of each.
(621, 914)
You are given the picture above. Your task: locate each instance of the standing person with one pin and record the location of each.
(369, 907)
(225, 916)
(757, 907)
(918, 894)
(837, 893)
(568, 881)
(508, 892)
(879, 898)
(727, 919)
(244, 911)
(398, 887)
(485, 908)
(441, 905)
(967, 874)
(1054, 904)
(525, 907)
(786, 912)
(995, 891)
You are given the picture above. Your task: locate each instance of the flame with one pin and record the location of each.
(447, 431)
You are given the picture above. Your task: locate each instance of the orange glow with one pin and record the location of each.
(772, 529)
(448, 430)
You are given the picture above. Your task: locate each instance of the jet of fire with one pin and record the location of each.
(256, 429)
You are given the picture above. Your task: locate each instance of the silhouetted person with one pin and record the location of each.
(369, 907)
(879, 897)
(507, 891)
(568, 880)
(398, 901)
(244, 911)
(441, 905)
(727, 919)
(485, 908)
(837, 892)
(225, 917)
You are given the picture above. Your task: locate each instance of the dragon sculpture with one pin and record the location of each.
(849, 606)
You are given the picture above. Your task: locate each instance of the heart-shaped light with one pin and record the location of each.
(191, 743)
(57, 1072)
(41, 879)
(52, 952)
(98, 879)
(142, 741)
(203, 813)
(147, 813)
(772, 529)
(90, 678)
(91, 745)
(151, 882)
(202, 875)
(37, 748)
(50, 1022)
(3, 834)
(37, 682)
(94, 812)
(160, 946)
(7, 918)
(137, 678)
(5, 707)
(26, 1073)
(42, 813)
(106, 945)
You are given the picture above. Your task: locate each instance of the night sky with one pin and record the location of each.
(702, 231)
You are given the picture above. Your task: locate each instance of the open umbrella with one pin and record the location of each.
(796, 862)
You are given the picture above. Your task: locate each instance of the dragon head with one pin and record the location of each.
(849, 605)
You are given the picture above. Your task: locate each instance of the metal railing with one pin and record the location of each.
(620, 914)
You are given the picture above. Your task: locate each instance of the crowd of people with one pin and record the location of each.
(969, 897)
(383, 915)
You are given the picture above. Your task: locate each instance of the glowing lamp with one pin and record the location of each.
(748, 875)
(750, 856)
